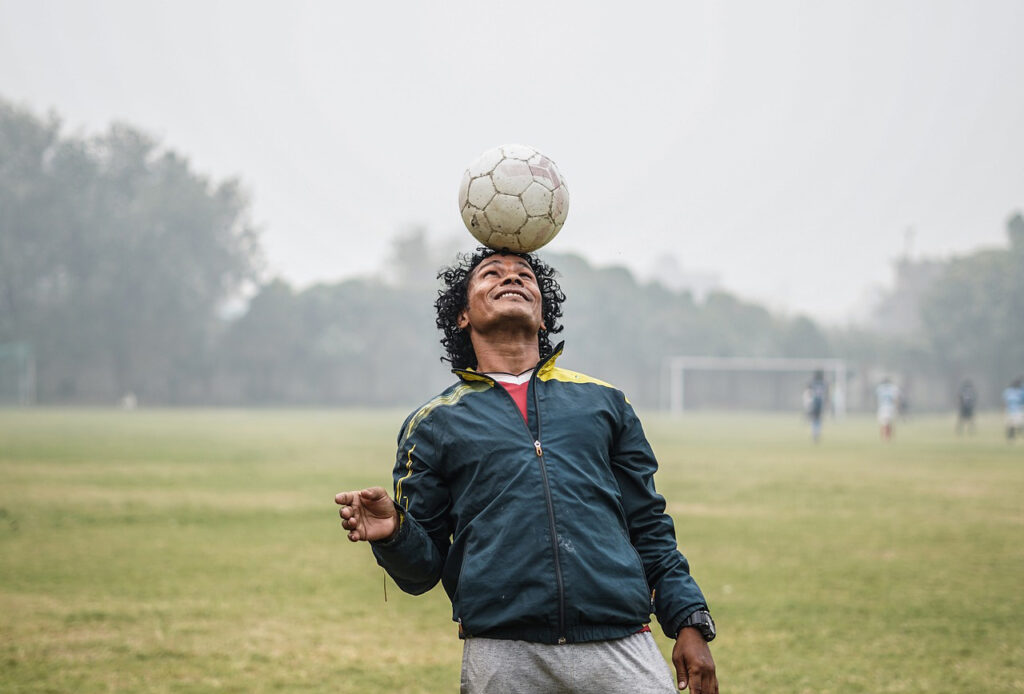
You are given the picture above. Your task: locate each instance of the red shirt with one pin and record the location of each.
(518, 393)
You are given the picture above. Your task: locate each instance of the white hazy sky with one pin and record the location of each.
(785, 146)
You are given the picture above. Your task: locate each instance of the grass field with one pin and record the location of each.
(197, 551)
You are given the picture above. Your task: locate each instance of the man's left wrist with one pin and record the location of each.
(700, 620)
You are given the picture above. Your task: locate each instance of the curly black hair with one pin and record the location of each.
(452, 299)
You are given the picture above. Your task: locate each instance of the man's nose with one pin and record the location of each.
(512, 278)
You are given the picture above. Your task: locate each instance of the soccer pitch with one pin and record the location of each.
(198, 551)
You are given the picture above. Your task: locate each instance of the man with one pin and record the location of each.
(1013, 396)
(815, 396)
(966, 399)
(528, 491)
(888, 395)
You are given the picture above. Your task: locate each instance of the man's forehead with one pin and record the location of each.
(499, 259)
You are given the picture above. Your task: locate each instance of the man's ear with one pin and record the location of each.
(463, 320)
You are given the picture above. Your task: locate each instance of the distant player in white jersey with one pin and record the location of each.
(1013, 396)
(888, 395)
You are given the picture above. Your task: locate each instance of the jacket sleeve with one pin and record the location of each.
(415, 556)
(676, 594)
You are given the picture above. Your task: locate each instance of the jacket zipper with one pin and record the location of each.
(539, 450)
(554, 538)
(551, 510)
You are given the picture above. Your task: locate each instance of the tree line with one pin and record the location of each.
(119, 263)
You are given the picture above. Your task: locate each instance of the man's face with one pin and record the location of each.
(502, 291)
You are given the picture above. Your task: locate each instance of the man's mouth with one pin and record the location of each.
(507, 293)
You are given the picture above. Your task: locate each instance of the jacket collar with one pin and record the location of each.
(543, 368)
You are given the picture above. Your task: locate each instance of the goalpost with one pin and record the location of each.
(680, 365)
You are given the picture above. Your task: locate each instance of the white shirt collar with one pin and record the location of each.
(515, 379)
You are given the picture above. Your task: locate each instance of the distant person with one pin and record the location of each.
(966, 399)
(888, 396)
(1013, 396)
(815, 398)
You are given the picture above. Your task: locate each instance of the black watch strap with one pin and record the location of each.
(702, 621)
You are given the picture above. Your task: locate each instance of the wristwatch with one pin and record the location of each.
(701, 619)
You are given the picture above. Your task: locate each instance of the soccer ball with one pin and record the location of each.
(513, 197)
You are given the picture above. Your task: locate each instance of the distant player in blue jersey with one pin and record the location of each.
(888, 396)
(815, 400)
(1013, 396)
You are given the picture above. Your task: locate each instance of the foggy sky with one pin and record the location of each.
(786, 147)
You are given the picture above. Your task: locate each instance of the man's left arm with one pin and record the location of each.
(652, 532)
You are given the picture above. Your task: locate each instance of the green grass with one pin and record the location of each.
(196, 551)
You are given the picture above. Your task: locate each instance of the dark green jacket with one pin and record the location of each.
(551, 532)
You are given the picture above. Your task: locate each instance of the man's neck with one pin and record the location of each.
(512, 356)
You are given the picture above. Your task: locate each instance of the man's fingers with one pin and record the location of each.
(695, 668)
(709, 682)
(696, 682)
(701, 677)
(367, 513)
(695, 677)
(349, 513)
(371, 494)
(350, 520)
(681, 676)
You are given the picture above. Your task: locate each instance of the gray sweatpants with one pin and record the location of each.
(498, 666)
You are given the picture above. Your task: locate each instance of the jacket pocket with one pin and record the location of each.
(643, 572)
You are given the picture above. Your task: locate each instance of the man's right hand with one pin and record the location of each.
(367, 514)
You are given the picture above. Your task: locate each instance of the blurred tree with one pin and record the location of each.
(974, 314)
(357, 342)
(115, 258)
(413, 262)
(1015, 230)
(31, 239)
(260, 348)
(621, 331)
(801, 337)
(898, 312)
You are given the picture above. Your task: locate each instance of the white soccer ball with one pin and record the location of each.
(513, 197)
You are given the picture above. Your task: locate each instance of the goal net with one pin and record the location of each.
(750, 383)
